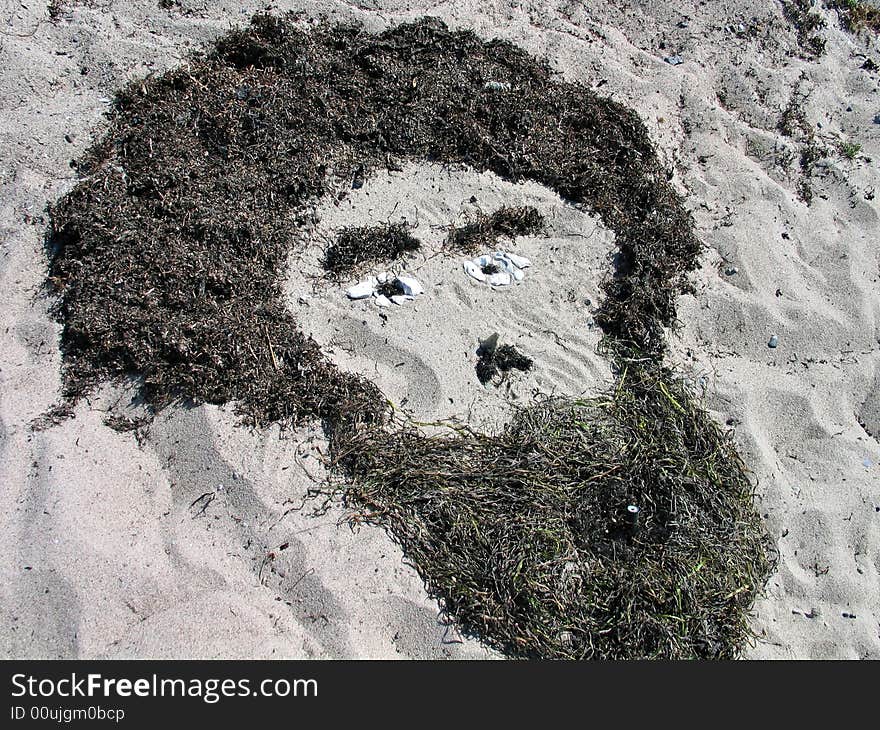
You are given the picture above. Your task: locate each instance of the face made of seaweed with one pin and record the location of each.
(168, 262)
(422, 354)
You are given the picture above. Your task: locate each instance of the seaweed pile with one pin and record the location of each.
(525, 535)
(857, 15)
(357, 246)
(808, 23)
(483, 232)
(492, 359)
(166, 261)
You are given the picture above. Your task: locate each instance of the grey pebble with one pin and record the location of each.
(774, 341)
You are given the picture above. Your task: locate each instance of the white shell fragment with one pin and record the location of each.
(510, 268)
(410, 286)
(519, 261)
(369, 287)
(474, 271)
(363, 289)
(497, 86)
(506, 266)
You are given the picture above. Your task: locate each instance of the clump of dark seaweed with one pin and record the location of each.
(857, 15)
(390, 288)
(357, 246)
(527, 540)
(166, 261)
(807, 22)
(483, 232)
(492, 359)
(508, 358)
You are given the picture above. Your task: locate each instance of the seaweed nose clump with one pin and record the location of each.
(493, 359)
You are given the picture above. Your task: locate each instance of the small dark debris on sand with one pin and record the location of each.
(123, 424)
(493, 359)
(484, 232)
(360, 246)
(390, 288)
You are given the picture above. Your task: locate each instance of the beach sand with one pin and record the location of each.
(160, 545)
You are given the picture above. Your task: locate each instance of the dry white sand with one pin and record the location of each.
(104, 554)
